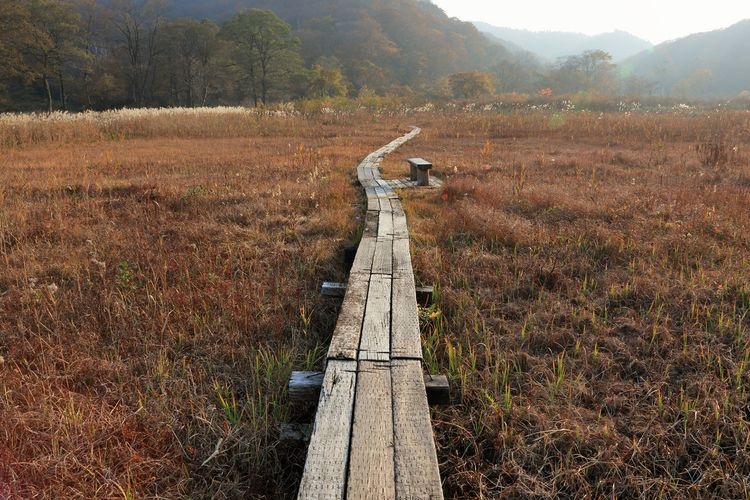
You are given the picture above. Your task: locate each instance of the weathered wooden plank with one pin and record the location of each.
(405, 338)
(366, 176)
(372, 221)
(365, 253)
(375, 342)
(396, 206)
(383, 258)
(385, 223)
(346, 335)
(386, 192)
(327, 456)
(400, 230)
(373, 204)
(417, 473)
(371, 462)
(402, 258)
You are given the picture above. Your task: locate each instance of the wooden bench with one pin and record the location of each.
(419, 170)
(372, 436)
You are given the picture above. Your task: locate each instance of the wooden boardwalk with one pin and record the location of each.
(408, 183)
(372, 436)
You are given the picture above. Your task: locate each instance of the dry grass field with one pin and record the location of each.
(161, 273)
(160, 278)
(594, 302)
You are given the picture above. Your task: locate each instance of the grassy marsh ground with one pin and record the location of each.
(161, 274)
(594, 308)
(160, 281)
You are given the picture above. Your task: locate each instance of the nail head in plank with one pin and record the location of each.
(371, 463)
(327, 456)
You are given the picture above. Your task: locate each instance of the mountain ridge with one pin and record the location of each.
(551, 45)
(708, 64)
(378, 44)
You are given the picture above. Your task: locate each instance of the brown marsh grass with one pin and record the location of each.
(161, 272)
(594, 303)
(159, 282)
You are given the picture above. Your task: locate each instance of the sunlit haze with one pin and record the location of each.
(655, 21)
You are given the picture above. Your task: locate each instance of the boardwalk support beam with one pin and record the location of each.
(305, 387)
(333, 290)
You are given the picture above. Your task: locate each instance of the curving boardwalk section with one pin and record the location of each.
(372, 436)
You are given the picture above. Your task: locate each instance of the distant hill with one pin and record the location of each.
(711, 64)
(553, 44)
(380, 44)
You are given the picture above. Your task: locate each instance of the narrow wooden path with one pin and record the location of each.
(372, 436)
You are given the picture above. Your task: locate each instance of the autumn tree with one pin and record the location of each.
(591, 71)
(325, 82)
(193, 55)
(94, 80)
(265, 48)
(137, 25)
(51, 40)
(470, 84)
(14, 27)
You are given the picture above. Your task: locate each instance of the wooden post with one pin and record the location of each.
(305, 386)
(423, 177)
(333, 290)
(424, 295)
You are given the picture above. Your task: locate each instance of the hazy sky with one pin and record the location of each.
(654, 20)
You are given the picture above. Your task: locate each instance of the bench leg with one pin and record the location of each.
(423, 177)
(413, 172)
